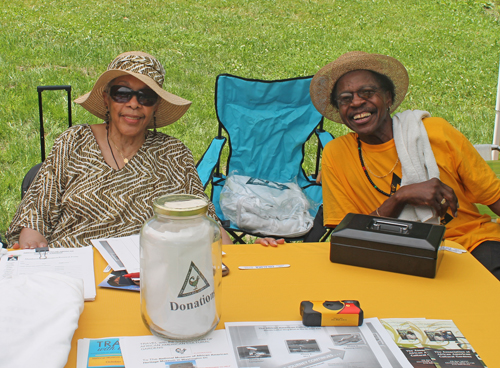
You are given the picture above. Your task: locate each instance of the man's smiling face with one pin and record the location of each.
(368, 115)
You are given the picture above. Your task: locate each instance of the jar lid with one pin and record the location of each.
(181, 205)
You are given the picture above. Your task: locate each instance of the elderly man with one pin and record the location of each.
(410, 166)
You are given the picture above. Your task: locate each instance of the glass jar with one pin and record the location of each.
(181, 268)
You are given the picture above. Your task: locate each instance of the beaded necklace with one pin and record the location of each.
(363, 166)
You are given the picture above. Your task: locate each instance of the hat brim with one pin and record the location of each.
(325, 79)
(170, 109)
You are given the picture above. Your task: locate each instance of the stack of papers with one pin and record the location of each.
(252, 344)
(292, 345)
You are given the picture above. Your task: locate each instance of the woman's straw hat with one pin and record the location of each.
(324, 80)
(148, 70)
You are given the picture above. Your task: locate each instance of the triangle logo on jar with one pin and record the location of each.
(194, 282)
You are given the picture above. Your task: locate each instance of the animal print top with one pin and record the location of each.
(77, 196)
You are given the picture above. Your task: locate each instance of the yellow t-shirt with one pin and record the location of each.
(346, 188)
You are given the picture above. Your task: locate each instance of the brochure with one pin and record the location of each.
(212, 351)
(117, 280)
(390, 349)
(99, 353)
(432, 343)
(291, 344)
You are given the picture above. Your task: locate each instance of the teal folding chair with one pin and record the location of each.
(268, 124)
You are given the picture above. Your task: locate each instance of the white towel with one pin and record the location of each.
(38, 316)
(417, 159)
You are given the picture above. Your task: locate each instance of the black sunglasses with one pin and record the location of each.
(122, 94)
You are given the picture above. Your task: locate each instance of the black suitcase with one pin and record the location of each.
(28, 178)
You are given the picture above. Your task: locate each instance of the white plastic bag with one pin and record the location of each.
(266, 207)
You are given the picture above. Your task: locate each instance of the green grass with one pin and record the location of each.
(450, 47)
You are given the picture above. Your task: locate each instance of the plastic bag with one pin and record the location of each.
(265, 207)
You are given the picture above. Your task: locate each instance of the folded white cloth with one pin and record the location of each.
(266, 207)
(418, 163)
(38, 316)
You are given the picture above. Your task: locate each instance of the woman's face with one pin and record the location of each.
(130, 118)
(369, 117)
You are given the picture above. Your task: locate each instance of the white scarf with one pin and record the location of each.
(417, 159)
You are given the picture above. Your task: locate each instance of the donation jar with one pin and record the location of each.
(181, 268)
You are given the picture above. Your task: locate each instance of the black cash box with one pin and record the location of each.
(388, 244)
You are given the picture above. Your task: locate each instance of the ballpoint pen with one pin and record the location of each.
(133, 275)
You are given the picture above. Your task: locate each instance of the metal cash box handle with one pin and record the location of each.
(390, 226)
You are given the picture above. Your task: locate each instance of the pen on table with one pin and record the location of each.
(262, 267)
(133, 275)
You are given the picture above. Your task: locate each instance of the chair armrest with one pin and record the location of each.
(209, 160)
(324, 137)
(28, 178)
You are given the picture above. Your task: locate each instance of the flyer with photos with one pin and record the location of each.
(291, 344)
(432, 343)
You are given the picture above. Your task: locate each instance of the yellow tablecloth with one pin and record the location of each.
(463, 291)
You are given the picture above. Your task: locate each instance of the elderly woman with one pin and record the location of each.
(410, 166)
(100, 180)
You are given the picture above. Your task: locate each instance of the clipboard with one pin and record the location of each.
(73, 262)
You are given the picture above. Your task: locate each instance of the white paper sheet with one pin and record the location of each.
(150, 351)
(389, 347)
(291, 344)
(108, 254)
(75, 262)
(120, 253)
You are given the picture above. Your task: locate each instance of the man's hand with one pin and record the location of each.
(269, 241)
(433, 193)
(318, 178)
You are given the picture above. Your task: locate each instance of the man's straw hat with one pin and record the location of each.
(324, 80)
(148, 70)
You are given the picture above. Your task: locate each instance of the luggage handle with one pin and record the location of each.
(390, 226)
(40, 89)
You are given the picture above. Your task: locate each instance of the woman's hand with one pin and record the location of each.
(433, 193)
(263, 241)
(29, 238)
(269, 241)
